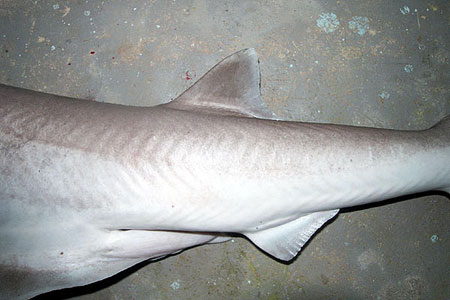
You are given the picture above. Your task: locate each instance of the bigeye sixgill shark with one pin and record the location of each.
(89, 189)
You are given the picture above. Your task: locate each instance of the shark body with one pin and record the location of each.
(89, 189)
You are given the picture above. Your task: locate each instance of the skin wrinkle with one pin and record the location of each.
(90, 120)
(336, 137)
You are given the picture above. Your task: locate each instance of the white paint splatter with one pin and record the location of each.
(328, 22)
(405, 10)
(175, 285)
(55, 6)
(52, 48)
(87, 13)
(360, 25)
(408, 68)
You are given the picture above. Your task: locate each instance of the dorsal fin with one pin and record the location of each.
(232, 87)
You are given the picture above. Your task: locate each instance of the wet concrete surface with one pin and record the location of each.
(369, 63)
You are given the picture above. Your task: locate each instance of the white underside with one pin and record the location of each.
(84, 219)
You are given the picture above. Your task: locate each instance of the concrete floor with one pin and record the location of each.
(372, 63)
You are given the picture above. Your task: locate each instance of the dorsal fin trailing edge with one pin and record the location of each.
(232, 87)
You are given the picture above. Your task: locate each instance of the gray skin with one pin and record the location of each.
(89, 189)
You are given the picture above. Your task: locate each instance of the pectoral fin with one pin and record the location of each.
(285, 241)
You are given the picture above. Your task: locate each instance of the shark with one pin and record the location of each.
(89, 189)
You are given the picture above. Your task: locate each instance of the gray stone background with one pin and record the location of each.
(369, 63)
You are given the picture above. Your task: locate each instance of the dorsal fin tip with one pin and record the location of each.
(232, 87)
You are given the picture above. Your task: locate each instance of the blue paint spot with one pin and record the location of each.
(328, 22)
(434, 238)
(408, 68)
(175, 285)
(384, 95)
(360, 25)
(405, 10)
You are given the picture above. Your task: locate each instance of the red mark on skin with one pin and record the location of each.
(92, 52)
(188, 76)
